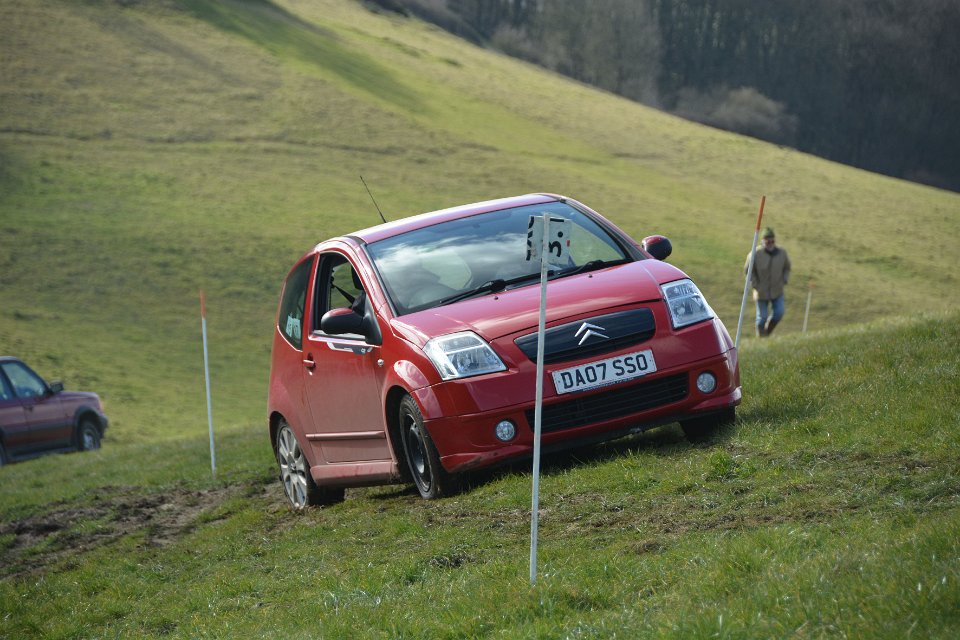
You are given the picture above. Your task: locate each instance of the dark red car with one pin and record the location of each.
(36, 417)
(407, 350)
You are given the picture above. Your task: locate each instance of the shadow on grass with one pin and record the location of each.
(664, 441)
(780, 413)
(287, 36)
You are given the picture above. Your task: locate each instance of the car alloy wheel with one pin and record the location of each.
(298, 484)
(89, 439)
(293, 467)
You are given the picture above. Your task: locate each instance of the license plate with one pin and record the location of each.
(604, 372)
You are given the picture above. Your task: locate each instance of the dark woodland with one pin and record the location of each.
(870, 83)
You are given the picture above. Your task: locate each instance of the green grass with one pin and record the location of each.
(152, 149)
(820, 513)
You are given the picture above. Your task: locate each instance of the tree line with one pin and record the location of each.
(870, 83)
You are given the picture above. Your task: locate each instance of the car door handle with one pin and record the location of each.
(309, 363)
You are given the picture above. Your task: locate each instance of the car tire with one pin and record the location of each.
(298, 484)
(429, 476)
(3, 455)
(701, 429)
(88, 435)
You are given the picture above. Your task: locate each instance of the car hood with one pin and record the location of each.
(493, 316)
(79, 397)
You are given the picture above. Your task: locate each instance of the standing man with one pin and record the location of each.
(771, 271)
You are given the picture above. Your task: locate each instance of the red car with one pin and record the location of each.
(407, 351)
(37, 418)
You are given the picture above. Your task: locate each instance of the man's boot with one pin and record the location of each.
(761, 330)
(771, 325)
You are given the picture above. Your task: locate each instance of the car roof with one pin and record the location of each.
(390, 229)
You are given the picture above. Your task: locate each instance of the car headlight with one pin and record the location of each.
(685, 303)
(461, 355)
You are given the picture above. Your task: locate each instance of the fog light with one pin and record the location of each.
(505, 430)
(706, 382)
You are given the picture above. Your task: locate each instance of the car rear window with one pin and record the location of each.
(290, 317)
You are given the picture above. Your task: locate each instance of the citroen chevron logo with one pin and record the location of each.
(588, 331)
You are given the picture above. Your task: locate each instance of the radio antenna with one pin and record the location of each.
(374, 199)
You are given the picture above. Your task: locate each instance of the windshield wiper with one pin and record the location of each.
(499, 284)
(490, 286)
(593, 265)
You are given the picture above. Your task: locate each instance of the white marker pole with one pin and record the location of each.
(806, 314)
(538, 407)
(746, 284)
(206, 373)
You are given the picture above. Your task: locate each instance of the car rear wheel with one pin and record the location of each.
(298, 484)
(88, 436)
(700, 429)
(3, 456)
(431, 478)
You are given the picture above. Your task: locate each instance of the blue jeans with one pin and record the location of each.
(763, 307)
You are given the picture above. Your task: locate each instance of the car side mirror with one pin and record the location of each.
(56, 387)
(342, 320)
(658, 246)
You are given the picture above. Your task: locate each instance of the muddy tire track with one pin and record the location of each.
(30, 545)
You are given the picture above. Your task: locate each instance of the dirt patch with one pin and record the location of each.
(32, 544)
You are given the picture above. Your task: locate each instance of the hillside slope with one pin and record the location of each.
(831, 508)
(149, 149)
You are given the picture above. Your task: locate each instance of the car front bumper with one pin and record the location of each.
(468, 441)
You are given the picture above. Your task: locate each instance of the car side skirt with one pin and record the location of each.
(356, 474)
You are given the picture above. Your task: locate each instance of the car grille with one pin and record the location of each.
(609, 333)
(616, 403)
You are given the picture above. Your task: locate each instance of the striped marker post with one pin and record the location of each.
(806, 313)
(548, 240)
(538, 402)
(206, 374)
(746, 284)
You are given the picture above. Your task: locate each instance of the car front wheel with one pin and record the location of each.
(88, 436)
(298, 484)
(431, 478)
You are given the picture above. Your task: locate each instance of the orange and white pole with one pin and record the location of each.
(206, 374)
(746, 284)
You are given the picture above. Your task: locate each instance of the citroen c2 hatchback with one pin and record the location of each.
(407, 351)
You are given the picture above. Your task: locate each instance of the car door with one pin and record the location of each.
(12, 419)
(46, 424)
(342, 376)
(286, 377)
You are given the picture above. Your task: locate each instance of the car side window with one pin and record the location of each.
(338, 286)
(26, 384)
(343, 284)
(292, 303)
(6, 393)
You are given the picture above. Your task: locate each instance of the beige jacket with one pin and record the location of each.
(770, 272)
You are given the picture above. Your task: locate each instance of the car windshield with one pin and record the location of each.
(451, 261)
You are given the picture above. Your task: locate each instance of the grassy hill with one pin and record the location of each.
(832, 508)
(150, 149)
